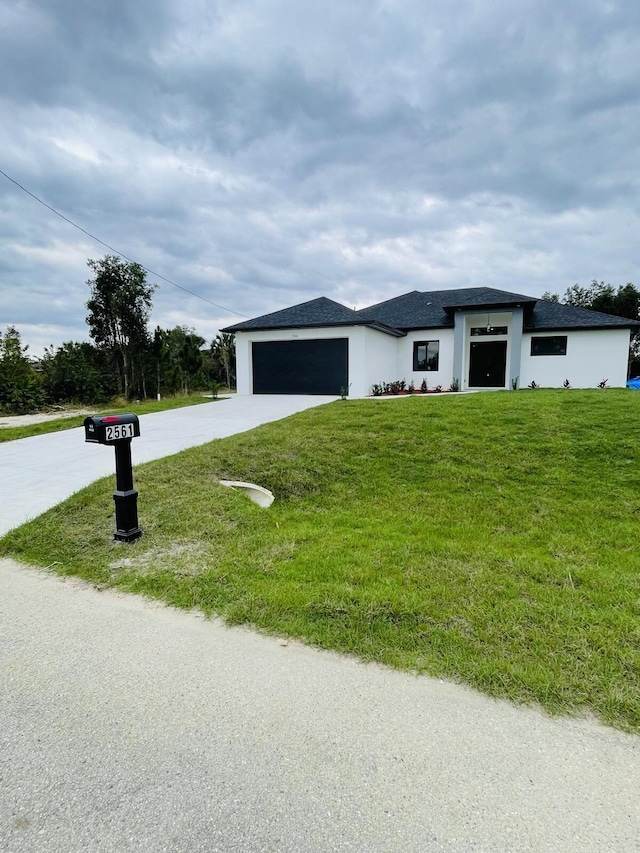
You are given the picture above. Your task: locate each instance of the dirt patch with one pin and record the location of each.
(178, 558)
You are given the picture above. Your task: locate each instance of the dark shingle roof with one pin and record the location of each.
(430, 310)
(484, 297)
(313, 314)
(552, 315)
(433, 309)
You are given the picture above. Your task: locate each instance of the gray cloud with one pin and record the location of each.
(266, 152)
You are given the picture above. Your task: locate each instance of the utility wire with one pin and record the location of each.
(121, 254)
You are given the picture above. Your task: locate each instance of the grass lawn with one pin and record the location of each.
(143, 408)
(489, 538)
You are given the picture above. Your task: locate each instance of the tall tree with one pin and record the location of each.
(223, 358)
(178, 358)
(599, 296)
(20, 389)
(119, 309)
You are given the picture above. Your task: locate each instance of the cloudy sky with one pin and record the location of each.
(265, 152)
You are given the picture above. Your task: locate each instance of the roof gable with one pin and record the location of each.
(316, 312)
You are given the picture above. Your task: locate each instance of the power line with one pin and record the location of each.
(115, 251)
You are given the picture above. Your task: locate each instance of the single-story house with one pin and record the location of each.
(481, 337)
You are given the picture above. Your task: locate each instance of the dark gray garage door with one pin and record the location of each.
(301, 367)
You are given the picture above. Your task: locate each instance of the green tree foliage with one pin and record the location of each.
(222, 359)
(178, 359)
(119, 309)
(599, 296)
(76, 372)
(20, 389)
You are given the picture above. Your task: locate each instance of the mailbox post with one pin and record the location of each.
(118, 430)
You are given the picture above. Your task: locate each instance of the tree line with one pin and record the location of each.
(124, 359)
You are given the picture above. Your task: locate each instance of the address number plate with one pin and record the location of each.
(117, 431)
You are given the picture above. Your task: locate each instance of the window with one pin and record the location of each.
(551, 345)
(489, 330)
(425, 355)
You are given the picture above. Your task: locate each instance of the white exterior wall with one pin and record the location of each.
(404, 368)
(380, 359)
(592, 355)
(243, 363)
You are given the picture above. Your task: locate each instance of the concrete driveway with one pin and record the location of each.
(37, 473)
(128, 726)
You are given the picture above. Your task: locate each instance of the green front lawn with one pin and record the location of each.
(142, 408)
(488, 538)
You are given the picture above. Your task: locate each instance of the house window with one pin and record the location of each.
(425, 355)
(489, 330)
(550, 345)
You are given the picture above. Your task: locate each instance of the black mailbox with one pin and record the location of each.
(118, 430)
(109, 429)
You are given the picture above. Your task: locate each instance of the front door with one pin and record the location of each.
(487, 364)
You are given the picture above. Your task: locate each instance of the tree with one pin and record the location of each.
(623, 302)
(20, 390)
(76, 372)
(119, 310)
(223, 358)
(178, 359)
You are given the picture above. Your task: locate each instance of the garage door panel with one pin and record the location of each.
(301, 367)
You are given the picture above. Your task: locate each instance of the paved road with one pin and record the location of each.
(37, 473)
(127, 726)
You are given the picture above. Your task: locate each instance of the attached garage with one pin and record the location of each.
(316, 366)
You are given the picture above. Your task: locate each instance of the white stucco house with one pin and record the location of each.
(484, 338)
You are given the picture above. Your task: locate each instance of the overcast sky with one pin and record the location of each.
(265, 152)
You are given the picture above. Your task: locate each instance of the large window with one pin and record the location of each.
(550, 345)
(425, 355)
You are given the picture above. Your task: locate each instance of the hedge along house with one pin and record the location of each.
(484, 338)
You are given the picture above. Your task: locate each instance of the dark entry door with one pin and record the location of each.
(487, 364)
(301, 367)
